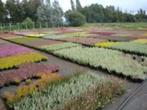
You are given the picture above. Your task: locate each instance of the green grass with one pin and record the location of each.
(136, 26)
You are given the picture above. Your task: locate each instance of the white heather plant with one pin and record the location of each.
(62, 93)
(59, 46)
(107, 59)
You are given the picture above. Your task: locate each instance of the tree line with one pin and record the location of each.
(18, 11)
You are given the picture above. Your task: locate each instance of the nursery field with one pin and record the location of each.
(83, 68)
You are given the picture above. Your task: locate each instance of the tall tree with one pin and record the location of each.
(50, 13)
(48, 2)
(141, 15)
(2, 11)
(57, 14)
(33, 6)
(78, 5)
(72, 5)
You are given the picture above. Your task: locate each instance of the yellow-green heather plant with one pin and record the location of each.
(11, 61)
(28, 89)
(142, 41)
(105, 44)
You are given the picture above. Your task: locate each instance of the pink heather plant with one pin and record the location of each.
(9, 50)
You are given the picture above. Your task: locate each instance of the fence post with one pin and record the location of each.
(26, 26)
(40, 25)
(33, 25)
(46, 24)
(10, 27)
(1, 28)
(18, 26)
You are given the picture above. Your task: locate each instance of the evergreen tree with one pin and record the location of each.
(57, 13)
(48, 2)
(78, 5)
(50, 13)
(2, 12)
(72, 5)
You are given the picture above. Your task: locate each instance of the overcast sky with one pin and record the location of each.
(125, 5)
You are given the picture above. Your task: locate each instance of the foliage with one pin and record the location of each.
(78, 5)
(109, 60)
(55, 47)
(97, 13)
(75, 18)
(27, 23)
(13, 61)
(63, 92)
(72, 5)
(51, 14)
(2, 11)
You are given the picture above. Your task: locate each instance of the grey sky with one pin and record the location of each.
(125, 5)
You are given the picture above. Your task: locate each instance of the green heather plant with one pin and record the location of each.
(55, 47)
(131, 47)
(24, 39)
(111, 60)
(67, 35)
(72, 94)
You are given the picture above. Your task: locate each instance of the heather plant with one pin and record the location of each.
(24, 72)
(67, 94)
(13, 61)
(132, 47)
(30, 88)
(55, 47)
(106, 59)
(10, 50)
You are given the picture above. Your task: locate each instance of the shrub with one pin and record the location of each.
(75, 18)
(27, 23)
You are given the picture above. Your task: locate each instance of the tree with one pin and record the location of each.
(141, 15)
(78, 5)
(72, 5)
(75, 18)
(57, 13)
(50, 13)
(33, 6)
(2, 11)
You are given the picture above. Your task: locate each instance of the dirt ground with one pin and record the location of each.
(137, 102)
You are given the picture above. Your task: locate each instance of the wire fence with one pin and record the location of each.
(19, 26)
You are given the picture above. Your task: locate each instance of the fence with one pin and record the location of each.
(19, 26)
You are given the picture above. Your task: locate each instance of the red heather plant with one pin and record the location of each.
(24, 72)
